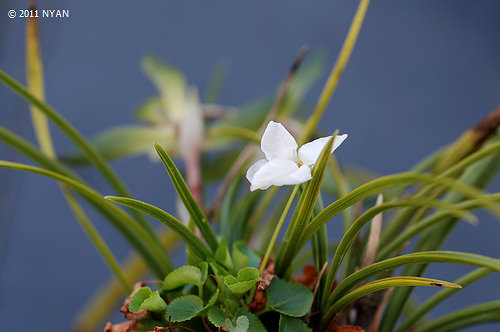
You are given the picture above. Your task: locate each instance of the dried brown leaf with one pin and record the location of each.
(259, 301)
(124, 308)
(307, 278)
(122, 327)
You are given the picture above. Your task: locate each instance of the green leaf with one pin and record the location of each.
(139, 296)
(126, 141)
(353, 231)
(247, 277)
(255, 325)
(170, 83)
(130, 229)
(476, 314)
(419, 312)
(240, 260)
(253, 258)
(182, 276)
(184, 308)
(303, 212)
(187, 199)
(223, 131)
(290, 299)
(191, 240)
(210, 303)
(216, 316)
(222, 254)
(152, 111)
(154, 303)
(219, 270)
(80, 141)
(378, 285)
(378, 185)
(242, 324)
(410, 259)
(203, 266)
(292, 324)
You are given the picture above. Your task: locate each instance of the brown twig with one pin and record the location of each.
(248, 151)
(374, 237)
(374, 326)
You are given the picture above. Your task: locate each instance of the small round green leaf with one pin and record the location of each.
(185, 275)
(288, 298)
(139, 296)
(254, 321)
(216, 316)
(154, 303)
(247, 277)
(183, 308)
(292, 324)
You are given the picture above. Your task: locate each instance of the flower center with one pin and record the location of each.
(300, 164)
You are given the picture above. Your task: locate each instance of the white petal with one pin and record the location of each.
(303, 174)
(278, 143)
(275, 172)
(254, 168)
(309, 152)
(338, 140)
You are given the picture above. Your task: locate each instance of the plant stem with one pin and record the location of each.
(338, 69)
(277, 230)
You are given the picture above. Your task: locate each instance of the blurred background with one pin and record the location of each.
(421, 73)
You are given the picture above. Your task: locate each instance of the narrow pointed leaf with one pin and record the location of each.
(126, 141)
(409, 259)
(381, 284)
(192, 241)
(187, 199)
(484, 312)
(131, 230)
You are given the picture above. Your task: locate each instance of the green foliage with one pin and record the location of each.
(240, 325)
(183, 308)
(154, 303)
(246, 279)
(288, 298)
(182, 276)
(139, 296)
(292, 324)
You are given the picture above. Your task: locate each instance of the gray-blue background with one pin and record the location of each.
(421, 73)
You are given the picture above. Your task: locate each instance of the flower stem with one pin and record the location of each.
(338, 69)
(277, 230)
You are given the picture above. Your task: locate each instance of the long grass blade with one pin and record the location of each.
(303, 212)
(411, 259)
(338, 69)
(131, 230)
(442, 295)
(378, 285)
(379, 185)
(350, 235)
(191, 240)
(475, 314)
(478, 174)
(440, 216)
(90, 152)
(34, 78)
(187, 199)
(47, 155)
(107, 297)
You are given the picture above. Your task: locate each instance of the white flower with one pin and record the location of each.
(284, 165)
